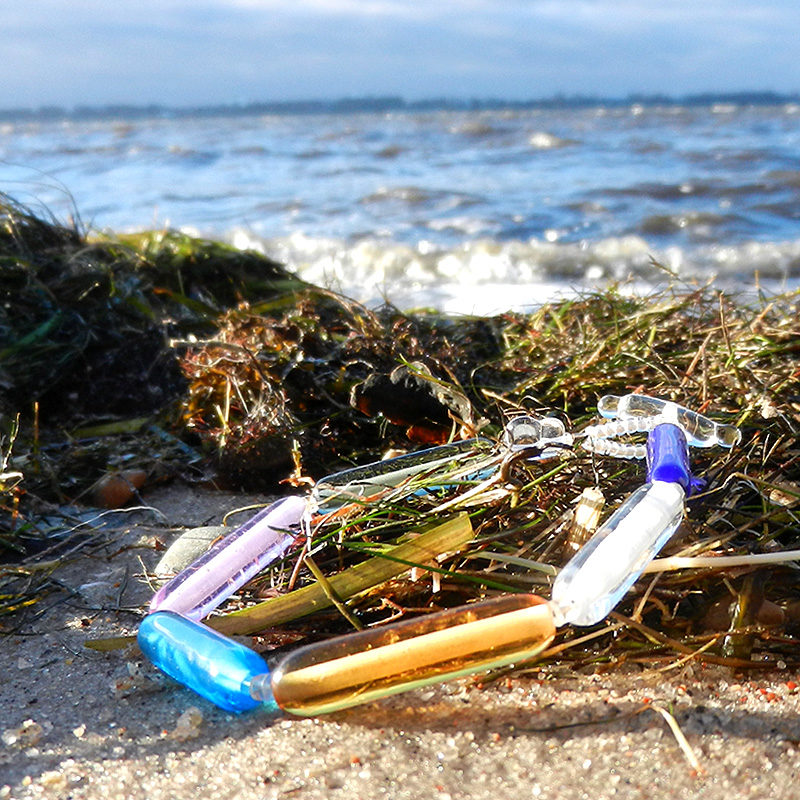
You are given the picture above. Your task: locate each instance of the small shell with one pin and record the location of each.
(117, 488)
(187, 548)
(585, 519)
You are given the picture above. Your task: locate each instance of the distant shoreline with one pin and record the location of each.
(386, 104)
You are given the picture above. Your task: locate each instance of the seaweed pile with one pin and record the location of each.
(269, 384)
(450, 378)
(88, 381)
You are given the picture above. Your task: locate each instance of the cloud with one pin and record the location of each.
(193, 51)
(398, 9)
(360, 8)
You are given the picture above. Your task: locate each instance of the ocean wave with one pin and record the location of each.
(480, 129)
(487, 276)
(412, 195)
(542, 140)
(699, 223)
(440, 207)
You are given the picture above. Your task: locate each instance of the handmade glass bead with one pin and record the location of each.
(543, 434)
(700, 430)
(369, 481)
(361, 667)
(600, 573)
(204, 660)
(232, 561)
(603, 570)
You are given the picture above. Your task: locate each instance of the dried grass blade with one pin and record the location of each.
(680, 738)
(447, 537)
(721, 562)
(331, 594)
(517, 561)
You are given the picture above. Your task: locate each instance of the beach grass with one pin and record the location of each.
(188, 356)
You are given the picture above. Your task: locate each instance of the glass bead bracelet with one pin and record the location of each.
(365, 666)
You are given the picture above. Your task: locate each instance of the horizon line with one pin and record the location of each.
(392, 102)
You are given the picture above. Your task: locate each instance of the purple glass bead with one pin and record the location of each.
(232, 561)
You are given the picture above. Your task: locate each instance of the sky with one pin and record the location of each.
(196, 52)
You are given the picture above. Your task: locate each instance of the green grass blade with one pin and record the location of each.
(447, 537)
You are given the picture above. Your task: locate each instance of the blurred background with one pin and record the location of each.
(470, 156)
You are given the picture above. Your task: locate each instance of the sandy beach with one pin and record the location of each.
(83, 724)
(507, 300)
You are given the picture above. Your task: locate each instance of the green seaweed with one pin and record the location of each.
(252, 376)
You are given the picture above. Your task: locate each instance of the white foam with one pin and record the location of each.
(487, 276)
(542, 140)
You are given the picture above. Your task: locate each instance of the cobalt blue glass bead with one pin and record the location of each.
(668, 456)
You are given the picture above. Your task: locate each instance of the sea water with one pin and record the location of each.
(465, 211)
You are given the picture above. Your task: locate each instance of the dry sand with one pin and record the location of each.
(82, 724)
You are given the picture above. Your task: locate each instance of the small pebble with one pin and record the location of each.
(53, 779)
(188, 725)
(27, 735)
(189, 546)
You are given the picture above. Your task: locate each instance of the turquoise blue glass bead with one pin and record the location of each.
(203, 660)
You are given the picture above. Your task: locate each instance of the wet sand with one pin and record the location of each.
(82, 724)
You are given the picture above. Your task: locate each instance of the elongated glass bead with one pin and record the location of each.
(204, 660)
(232, 561)
(366, 482)
(600, 573)
(366, 666)
(700, 430)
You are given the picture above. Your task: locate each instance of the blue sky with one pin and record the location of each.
(187, 52)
